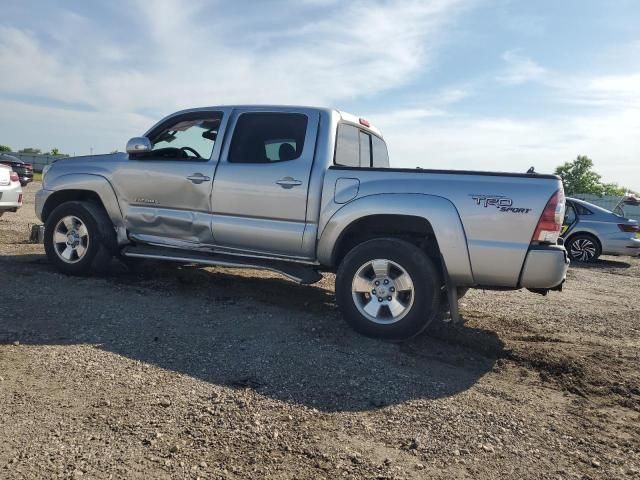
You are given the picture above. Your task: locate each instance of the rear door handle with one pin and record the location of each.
(198, 178)
(288, 182)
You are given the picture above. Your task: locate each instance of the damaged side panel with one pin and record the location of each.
(158, 199)
(165, 225)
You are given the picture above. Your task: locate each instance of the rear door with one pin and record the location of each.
(262, 180)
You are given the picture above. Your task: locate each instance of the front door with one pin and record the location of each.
(261, 184)
(165, 194)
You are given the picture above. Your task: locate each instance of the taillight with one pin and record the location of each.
(628, 228)
(550, 223)
(13, 176)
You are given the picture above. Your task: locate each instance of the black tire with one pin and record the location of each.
(583, 248)
(426, 281)
(102, 238)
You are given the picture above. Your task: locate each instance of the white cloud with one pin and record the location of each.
(359, 50)
(520, 69)
(184, 55)
(596, 115)
(504, 144)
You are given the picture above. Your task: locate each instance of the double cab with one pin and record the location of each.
(302, 191)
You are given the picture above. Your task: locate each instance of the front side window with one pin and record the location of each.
(268, 137)
(191, 136)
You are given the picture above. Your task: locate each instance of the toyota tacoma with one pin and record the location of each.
(302, 191)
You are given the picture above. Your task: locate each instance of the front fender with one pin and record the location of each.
(83, 182)
(438, 211)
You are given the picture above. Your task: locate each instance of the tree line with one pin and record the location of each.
(33, 151)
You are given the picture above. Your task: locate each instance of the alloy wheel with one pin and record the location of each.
(71, 239)
(382, 291)
(583, 250)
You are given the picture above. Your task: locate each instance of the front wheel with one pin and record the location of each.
(79, 238)
(388, 288)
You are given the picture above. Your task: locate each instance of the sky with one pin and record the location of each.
(459, 84)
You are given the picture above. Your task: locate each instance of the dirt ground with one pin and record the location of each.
(184, 372)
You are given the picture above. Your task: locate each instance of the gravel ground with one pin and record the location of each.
(184, 372)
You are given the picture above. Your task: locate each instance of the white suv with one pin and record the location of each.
(10, 190)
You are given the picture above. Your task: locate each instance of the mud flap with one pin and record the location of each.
(37, 234)
(452, 296)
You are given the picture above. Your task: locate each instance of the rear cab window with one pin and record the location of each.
(356, 147)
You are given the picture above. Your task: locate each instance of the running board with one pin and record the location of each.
(298, 273)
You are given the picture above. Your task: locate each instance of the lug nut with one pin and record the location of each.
(379, 299)
(373, 292)
(392, 289)
(389, 298)
(386, 282)
(376, 283)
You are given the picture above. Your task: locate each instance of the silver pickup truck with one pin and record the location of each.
(301, 191)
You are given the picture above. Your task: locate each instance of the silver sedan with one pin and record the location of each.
(590, 231)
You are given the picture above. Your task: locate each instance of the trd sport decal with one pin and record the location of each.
(502, 203)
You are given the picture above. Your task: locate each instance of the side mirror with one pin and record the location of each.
(139, 145)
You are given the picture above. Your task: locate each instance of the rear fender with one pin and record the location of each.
(438, 211)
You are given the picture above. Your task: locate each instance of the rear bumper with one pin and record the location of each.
(11, 200)
(628, 246)
(544, 267)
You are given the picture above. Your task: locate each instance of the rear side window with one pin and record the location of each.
(268, 137)
(357, 148)
(348, 146)
(365, 149)
(379, 152)
(582, 210)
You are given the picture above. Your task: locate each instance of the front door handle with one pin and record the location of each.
(288, 182)
(198, 178)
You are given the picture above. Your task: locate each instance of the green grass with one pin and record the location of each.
(37, 177)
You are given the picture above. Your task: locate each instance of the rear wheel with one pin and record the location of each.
(388, 288)
(584, 248)
(79, 238)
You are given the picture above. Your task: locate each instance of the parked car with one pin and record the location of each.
(303, 190)
(10, 190)
(23, 169)
(590, 231)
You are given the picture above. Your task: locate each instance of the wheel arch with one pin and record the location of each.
(85, 187)
(430, 221)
